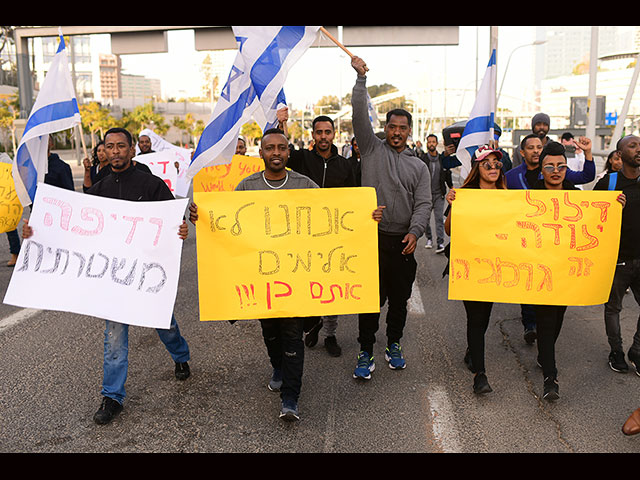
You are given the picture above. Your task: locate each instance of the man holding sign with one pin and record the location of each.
(283, 335)
(403, 184)
(126, 182)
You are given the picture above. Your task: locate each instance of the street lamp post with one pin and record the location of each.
(537, 42)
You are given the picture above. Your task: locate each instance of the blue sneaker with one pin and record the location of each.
(275, 384)
(393, 355)
(365, 366)
(289, 411)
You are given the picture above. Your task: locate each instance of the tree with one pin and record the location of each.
(96, 118)
(9, 113)
(251, 131)
(144, 117)
(186, 125)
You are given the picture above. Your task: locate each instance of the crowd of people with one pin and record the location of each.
(413, 188)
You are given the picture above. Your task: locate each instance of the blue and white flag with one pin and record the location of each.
(254, 90)
(56, 109)
(480, 126)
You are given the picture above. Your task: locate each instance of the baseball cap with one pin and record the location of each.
(482, 152)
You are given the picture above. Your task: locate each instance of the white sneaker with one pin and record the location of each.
(429, 244)
(440, 249)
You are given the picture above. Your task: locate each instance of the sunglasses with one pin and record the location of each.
(552, 168)
(491, 166)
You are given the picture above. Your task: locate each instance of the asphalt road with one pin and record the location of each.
(51, 371)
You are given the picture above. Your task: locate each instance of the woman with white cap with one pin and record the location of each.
(486, 174)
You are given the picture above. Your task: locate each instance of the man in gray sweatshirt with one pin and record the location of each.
(403, 186)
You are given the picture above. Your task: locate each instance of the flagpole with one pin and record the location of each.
(335, 40)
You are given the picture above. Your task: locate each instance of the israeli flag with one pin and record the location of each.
(480, 126)
(254, 90)
(56, 109)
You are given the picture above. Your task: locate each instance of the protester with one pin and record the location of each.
(144, 144)
(92, 167)
(613, 164)
(129, 183)
(440, 180)
(540, 126)
(328, 169)
(627, 272)
(403, 185)
(486, 174)
(283, 337)
(355, 161)
(529, 173)
(58, 172)
(549, 318)
(241, 147)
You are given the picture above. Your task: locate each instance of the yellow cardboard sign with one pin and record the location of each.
(537, 247)
(10, 206)
(287, 253)
(225, 178)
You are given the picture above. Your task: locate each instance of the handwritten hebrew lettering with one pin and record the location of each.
(298, 252)
(555, 247)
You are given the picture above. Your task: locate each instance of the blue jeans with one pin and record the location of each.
(116, 355)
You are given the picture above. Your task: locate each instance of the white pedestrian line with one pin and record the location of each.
(17, 317)
(444, 429)
(415, 304)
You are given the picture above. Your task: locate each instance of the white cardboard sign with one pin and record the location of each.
(96, 256)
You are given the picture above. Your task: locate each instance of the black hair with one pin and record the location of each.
(273, 131)
(95, 153)
(124, 131)
(432, 135)
(323, 118)
(553, 148)
(399, 112)
(523, 144)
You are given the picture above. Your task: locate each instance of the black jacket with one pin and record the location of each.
(133, 185)
(337, 171)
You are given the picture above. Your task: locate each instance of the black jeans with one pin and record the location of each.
(627, 275)
(283, 338)
(549, 321)
(478, 315)
(397, 274)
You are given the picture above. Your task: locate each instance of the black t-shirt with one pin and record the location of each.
(630, 233)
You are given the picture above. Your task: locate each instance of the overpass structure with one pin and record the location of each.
(130, 40)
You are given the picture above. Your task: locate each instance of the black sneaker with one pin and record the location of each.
(530, 336)
(551, 389)
(481, 384)
(617, 363)
(311, 338)
(635, 361)
(467, 360)
(331, 344)
(107, 411)
(182, 371)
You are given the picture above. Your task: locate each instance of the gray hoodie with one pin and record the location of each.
(402, 181)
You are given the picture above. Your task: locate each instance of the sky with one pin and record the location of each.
(327, 71)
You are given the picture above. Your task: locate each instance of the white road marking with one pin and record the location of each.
(415, 304)
(17, 317)
(444, 429)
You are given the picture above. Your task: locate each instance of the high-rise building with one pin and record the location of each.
(110, 85)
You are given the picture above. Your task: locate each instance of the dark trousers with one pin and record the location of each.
(528, 316)
(478, 315)
(549, 323)
(14, 242)
(283, 339)
(397, 274)
(627, 275)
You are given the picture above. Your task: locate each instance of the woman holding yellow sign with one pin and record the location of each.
(486, 173)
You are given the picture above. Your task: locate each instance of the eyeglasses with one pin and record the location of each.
(491, 166)
(552, 168)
